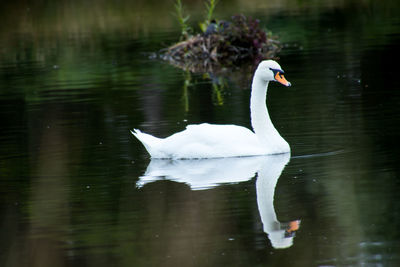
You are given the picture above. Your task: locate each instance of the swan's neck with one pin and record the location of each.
(260, 120)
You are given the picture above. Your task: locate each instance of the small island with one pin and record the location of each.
(221, 43)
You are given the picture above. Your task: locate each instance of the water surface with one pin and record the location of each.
(76, 189)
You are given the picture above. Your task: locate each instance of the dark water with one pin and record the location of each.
(76, 189)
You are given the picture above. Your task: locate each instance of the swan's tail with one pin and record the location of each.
(149, 142)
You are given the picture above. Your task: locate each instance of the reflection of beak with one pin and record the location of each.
(280, 78)
(293, 226)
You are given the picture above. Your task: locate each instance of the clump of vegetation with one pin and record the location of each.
(221, 43)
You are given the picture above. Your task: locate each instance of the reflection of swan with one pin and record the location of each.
(217, 141)
(202, 173)
(209, 173)
(280, 234)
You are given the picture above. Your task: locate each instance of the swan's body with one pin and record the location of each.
(216, 141)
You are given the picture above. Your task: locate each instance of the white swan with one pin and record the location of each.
(217, 141)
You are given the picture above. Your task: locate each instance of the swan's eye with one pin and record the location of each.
(276, 71)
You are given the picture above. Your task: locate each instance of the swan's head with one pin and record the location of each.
(269, 70)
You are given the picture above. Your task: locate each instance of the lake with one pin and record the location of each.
(77, 189)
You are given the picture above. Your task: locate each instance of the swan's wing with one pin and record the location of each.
(212, 140)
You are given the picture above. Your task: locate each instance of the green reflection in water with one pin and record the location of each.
(73, 85)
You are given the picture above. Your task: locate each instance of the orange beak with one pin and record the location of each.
(280, 78)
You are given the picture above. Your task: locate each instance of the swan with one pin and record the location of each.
(220, 141)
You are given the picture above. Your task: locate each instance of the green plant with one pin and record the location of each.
(210, 6)
(182, 19)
